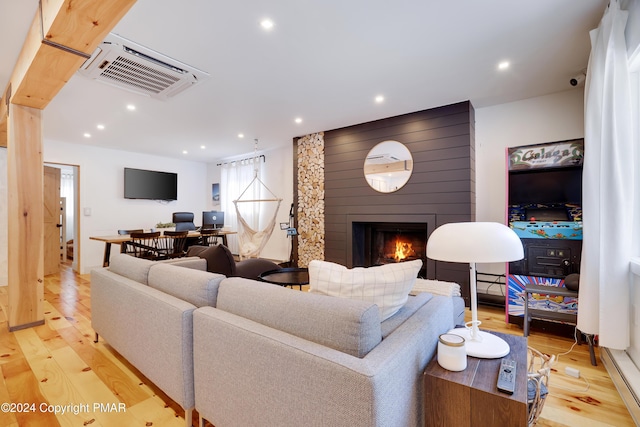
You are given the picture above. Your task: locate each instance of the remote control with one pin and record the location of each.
(507, 376)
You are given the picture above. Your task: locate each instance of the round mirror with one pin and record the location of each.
(388, 166)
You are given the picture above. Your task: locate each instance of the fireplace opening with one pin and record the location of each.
(378, 243)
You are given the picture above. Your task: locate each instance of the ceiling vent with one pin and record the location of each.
(122, 63)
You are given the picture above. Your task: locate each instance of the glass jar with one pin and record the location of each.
(451, 352)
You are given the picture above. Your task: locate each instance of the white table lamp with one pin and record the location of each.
(476, 242)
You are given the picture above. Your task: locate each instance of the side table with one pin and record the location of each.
(471, 397)
(289, 276)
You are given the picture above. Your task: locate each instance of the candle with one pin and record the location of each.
(451, 352)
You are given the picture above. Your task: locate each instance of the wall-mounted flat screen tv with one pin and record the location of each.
(152, 185)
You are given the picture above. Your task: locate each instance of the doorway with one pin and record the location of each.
(69, 248)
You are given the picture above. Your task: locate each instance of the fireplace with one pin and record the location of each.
(379, 239)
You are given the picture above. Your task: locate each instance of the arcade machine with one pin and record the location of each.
(544, 209)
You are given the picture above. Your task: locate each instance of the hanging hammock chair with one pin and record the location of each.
(250, 241)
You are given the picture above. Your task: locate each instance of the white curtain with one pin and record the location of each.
(235, 178)
(67, 191)
(608, 186)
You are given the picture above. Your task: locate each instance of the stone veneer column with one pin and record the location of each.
(310, 198)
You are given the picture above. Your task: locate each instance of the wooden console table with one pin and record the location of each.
(471, 397)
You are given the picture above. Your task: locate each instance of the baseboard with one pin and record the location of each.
(626, 377)
(26, 325)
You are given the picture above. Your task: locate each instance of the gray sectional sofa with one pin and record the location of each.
(245, 353)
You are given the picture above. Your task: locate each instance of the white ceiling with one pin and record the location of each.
(324, 61)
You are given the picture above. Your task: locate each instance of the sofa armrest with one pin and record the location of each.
(458, 311)
(152, 330)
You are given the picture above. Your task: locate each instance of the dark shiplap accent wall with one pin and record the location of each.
(442, 143)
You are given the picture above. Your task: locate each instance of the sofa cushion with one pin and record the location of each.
(219, 258)
(197, 287)
(387, 285)
(131, 267)
(349, 326)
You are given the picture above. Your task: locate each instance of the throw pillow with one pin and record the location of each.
(219, 259)
(387, 285)
(195, 250)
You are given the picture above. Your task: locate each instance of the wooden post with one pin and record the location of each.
(25, 217)
(62, 35)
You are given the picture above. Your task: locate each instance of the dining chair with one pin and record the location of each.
(174, 243)
(124, 247)
(210, 237)
(145, 245)
(123, 232)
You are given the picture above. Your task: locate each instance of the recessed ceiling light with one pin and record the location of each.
(100, 127)
(298, 120)
(87, 135)
(503, 65)
(131, 107)
(241, 135)
(379, 99)
(185, 152)
(266, 24)
(203, 147)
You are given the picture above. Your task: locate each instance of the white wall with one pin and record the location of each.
(543, 119)
(101, 173)
(278, 177)
(549, 118)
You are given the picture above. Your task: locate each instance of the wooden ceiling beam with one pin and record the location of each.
(62, 35)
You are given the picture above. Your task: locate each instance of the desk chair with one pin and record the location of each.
(145, 245)
(183, 221)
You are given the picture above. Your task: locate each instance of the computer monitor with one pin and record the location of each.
(212, 219)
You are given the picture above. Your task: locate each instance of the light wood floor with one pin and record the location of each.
(58, 364)
(591, 400)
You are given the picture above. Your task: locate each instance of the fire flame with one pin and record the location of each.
(403, 250)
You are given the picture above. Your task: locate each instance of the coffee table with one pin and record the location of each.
(289, 276)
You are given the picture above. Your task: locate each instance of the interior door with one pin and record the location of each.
(52, 221)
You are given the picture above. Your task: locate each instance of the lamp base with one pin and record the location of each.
(491, 346)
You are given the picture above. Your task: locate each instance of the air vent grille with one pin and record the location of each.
(139, 69)
(133, 73)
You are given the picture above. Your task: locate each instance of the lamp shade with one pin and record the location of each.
(475, 242)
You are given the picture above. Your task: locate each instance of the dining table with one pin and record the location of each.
(119, 239)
